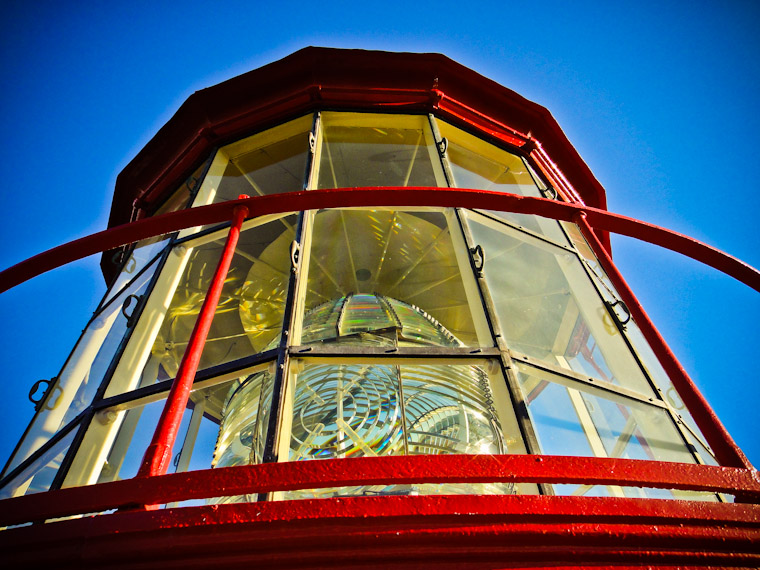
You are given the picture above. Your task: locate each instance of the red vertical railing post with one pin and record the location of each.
(158, 455)
(725, 449)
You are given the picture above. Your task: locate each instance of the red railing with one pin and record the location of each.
(737, 477)
(369, 197)
(390, 470)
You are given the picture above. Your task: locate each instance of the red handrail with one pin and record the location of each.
(387, 470)
(369, 197)
(159, 452)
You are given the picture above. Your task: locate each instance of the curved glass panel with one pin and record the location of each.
(365, 149)
(372, 409)
(406, 256)
(83, 373)
(271, 162)
(474, 163)
(249, 315)
(548, 308)
(245, 417)
(364, 319)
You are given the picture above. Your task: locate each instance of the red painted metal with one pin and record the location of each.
(377, 196)
(158, 455)
(415, 531)
(272, 477)
(724, 447)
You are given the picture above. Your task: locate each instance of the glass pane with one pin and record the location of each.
(365, 409)
(248, 318)
(193, 448)
(571, 418)
(548, 308)
(387, 273)
(364, 149)
(83, 373)
(270, 162)
(644, 352)
(179, 199)
(477, 164)
(40, 474)
(245, 417)
(143, 253)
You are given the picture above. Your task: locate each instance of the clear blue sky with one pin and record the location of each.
(660, 98)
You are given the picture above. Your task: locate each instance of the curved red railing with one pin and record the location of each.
(387, 470)
(737, 477)
(369, 197)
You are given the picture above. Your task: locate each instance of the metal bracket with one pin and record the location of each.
(443, 144)
(312, 143)
(295, 255)
(133, 315)
(614, 314)
(478, 259)
(38, 403)
(550, 193)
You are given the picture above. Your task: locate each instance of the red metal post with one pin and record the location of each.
(724, 447)
(158, 454)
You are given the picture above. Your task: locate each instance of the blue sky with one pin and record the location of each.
(659, 98)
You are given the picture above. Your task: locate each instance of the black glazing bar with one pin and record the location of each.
(68, 459)
(523, 230)
(88, 414)
(199, 182)
(331, 350)
(202, 376)
(596, 282)
(580, 380)
(191, 197)
(43, 449)
(137, 313)
(127, 285)
(74, 449)
(519, 405)
(278, 392)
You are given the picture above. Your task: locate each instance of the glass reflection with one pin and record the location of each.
(363, 149)
(133, 428)
(407, 256)
(641, 347)
(271, 162)
(38, 477)
(475, 163)
(571, 418)
(548, 308)
(369, 409)
(249, 314)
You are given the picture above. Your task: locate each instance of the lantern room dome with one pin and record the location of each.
(316, 78)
